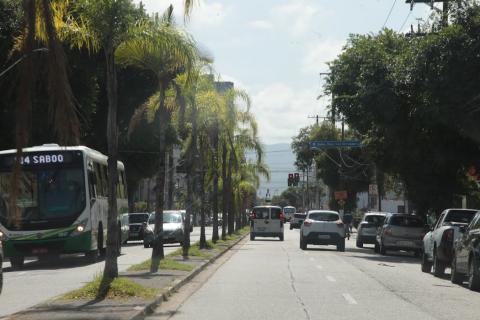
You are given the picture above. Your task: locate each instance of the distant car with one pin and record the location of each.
(136, 225)
(297, 220)
(322, 227)
(400, 232)
(367, 228)
(466, 257)
(173, 228)
(438, 242)
(266, 221)
(184, 214)
(288, 212)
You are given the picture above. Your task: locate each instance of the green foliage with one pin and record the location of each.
(118, 288)
(413, 102)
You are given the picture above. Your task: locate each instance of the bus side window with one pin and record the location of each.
(104, 179)
(92, 183)
(99, 184)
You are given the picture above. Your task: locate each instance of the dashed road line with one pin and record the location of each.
(331, 279)
(319, 267)
(311, 259)
(349, 298)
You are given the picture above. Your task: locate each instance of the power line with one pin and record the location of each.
(389, 13)
(405, 21)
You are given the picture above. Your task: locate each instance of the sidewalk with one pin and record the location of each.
(165, 281)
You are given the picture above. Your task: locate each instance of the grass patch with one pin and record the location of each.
(119, 288)
(167, 264)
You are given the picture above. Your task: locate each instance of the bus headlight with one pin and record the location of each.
(3, 236)
(80, 228)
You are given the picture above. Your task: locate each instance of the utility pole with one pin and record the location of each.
(317, 117)
(446, 7)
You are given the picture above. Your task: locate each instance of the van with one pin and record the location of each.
(288, 212)
(266, 221)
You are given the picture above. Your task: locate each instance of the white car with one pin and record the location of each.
(438, 243)
(322, 227)
(367, 229)
(266, 221)
(173, 228)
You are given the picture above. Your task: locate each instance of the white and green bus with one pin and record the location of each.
(61, 203)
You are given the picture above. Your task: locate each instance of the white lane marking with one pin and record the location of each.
(349, 298)
(311, 259)
(319, 267)
(306, 252)
(21, 273)
(331, 279)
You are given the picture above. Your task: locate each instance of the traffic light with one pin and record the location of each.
(297, 178)
(290, 179)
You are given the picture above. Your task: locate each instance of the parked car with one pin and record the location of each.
(266, 221)
(136, 225)
(438, 242)
(297, 220)
(124, 228)
(368, 226)
(183, 213)
(466, 256)
(400, 232)
(288, 212)
(322, 227)
(173, 228)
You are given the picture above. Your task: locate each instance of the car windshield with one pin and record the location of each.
(47, 196)
(323, 216)
(406, 221)
(376, 220)
(138, 218)
(289, 210)
(261, 213)
(167, 218)
(460, 216)
(299, 215)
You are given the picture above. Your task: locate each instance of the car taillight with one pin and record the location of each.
(387, 232)
(448, 235)
(307, 223)
(339, 223)
(253, 215)
(282, 217)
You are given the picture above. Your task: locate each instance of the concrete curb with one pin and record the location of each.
(150, 307)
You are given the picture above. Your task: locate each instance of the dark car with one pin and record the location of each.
(297, 220)
(466, 258)
(136, 225)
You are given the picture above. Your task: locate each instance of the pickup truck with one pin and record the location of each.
(438, 242)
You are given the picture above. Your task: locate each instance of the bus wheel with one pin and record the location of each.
(17, 262)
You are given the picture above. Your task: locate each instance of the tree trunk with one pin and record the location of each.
(230, 200)
(171, 182)
(203, 238)
(224, 191)
(161, 118)
(215, 185)
(111, 267)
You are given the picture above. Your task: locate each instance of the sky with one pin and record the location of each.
(276, 49)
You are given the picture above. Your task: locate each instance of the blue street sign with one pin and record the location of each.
(326, 144)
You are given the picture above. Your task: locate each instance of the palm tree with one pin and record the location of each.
(109, 22)
(167, 52)
(47, 22)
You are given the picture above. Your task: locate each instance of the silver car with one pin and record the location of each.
(367, 228)
(173, 228)
(297, 220)
(400, 232)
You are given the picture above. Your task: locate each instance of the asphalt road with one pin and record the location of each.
(40, 281)
(269, 279)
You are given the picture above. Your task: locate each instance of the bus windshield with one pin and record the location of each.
(48, 197)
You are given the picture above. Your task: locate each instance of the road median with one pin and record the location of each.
(136, 293)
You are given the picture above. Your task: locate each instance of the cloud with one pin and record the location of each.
(298, 15)
(204, 14)
(261, 24)
(317, 55)
(281, 111)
